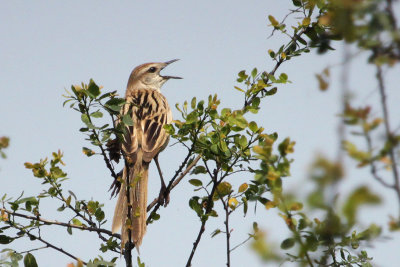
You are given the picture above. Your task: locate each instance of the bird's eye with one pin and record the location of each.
(152, 70)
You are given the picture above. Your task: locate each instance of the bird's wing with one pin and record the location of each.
(150, 112)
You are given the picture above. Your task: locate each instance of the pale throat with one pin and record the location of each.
(141, 85)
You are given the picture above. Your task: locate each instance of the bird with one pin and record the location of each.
(142, 143)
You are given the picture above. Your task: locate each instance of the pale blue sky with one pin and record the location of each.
(47, 46)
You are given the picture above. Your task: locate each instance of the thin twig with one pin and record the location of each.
(48, 244)
(374, 170)
(389, 136)
(227, 230)
(103, 152)
(278, 63)
(238, 245)
(196, 243)
(34, 249)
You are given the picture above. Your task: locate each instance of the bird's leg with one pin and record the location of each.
(116, 185)
(163, 197)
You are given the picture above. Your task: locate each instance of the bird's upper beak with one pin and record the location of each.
(166, 64)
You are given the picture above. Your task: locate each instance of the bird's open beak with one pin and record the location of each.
(166, 64)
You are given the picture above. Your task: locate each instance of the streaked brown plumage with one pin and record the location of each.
(145, 139)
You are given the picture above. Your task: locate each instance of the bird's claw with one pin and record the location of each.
(115, 186)
(163, 197)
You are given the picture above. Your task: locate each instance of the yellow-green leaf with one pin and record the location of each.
(233, 203)
(273, 21)
(243, 187)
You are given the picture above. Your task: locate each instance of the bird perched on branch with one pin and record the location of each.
(142, 142)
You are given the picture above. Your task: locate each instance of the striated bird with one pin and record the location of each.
(141, 144)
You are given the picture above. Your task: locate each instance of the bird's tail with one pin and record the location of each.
(138, 177)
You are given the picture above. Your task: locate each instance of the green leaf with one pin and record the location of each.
(33, 200)
(115, 103)
(155, 216)
(86, 120)
(30, 261)
(99, 214)
(214, 149)
(283, 77)
(5, 239)
(273, 21)
(88, 152)
(243, 141)
(216, 232)
(193, 103)
(97, 114)
(255, 226)
(239, 89)
(140, 264)
(245, 205)
(192, 117)
(77, 222)
(93, 89)
(199, 169)
(127, 120)
(253, 126)
(195, 205)
(360, 196)
(240, 121)
(223, 189)
(254, 72)
(195, 182)
(287, 243)
(272, 91)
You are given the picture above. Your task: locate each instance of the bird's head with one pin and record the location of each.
(148, 76)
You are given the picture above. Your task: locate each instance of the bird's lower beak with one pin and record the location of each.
(166, 64)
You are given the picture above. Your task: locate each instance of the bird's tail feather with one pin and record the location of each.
(138, 177)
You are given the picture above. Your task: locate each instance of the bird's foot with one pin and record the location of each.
(116, 185)
(163, 197)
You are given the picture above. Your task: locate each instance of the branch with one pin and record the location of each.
(374, 170)
(389, 136)
(103, 152)
(278, 63)
(238, 245)
(34, 237)
(227, 231)
(204, 221)
(129, 245)
(85, 228)
(393, 21)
